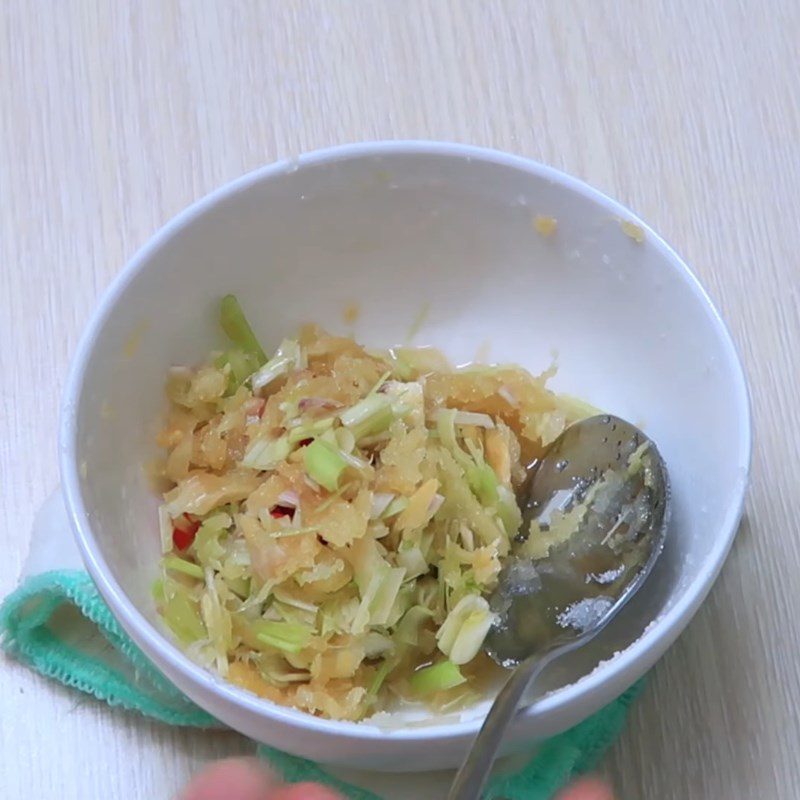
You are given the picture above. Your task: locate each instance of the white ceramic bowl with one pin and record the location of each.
(399, 227)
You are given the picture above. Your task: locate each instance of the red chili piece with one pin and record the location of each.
(282, 511)
(183, 532)
(305, 442)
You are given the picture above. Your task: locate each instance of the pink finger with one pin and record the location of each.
(305, 791)
(232, 779)
(587, 789)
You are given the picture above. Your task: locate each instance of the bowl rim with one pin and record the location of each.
(656, 637)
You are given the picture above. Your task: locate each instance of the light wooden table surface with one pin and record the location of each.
(115, 115)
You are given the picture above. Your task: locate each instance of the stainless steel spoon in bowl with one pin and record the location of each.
(595, 513)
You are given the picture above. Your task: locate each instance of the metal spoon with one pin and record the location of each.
(600, 495)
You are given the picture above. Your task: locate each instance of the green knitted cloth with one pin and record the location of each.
(49, 621)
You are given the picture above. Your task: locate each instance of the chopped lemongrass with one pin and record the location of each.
(284, 532)
(408, 401)
(438, 678)
(306, 403)
(381, 605)
(396, 506)
(158, 591)
(473, 418)
(243, 365)
(289, 498)
(418, 512)
(267, 453)
(334, 496)
(377, 387)
(380, 502)
(446, 428)
(483, 482)
(508, 511)
(379, 596)
(437, 501)
(377, 644)
(374, 441)
(407, 631)
(369, 416)
(165, 528)
(380, 676)
(481, 477)
(239, 366)
(354, 461)
(181, 613)
(207, 545)
(177, 564)
(324, 464)
(310, 430)
(239, 586)
(414, 562)
(291, 599)
(345, 440)
(271, 371)
(237, 328)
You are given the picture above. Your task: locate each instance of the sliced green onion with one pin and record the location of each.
(182, 565)
(237, 328)
(290, 637)
(369, 416)
(324, 464)
(267, 454)
(438, 678)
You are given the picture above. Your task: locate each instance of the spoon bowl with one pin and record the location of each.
(595, 515)
(595, 512)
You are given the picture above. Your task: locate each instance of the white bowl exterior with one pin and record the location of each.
(398, 228)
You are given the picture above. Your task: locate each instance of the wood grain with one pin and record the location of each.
(115, 115)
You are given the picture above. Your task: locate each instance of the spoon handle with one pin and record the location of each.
(472, 775)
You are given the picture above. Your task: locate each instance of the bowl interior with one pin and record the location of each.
(440, 247)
